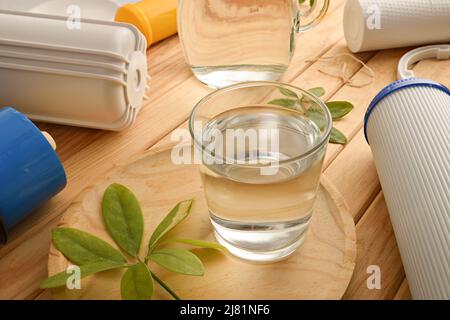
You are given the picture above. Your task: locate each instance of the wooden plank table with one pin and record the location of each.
(89, 154)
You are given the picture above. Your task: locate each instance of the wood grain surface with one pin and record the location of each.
(88, 155)
(320, 269)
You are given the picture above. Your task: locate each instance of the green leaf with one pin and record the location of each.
(198, 243)
(123, 218)
(317, 117)
(287, 92)
(173, 218)
(178, 260)
(337, 137)
(60, 279)
(82, 248)
(301, 1)
(318, 91)
(339, 109)
(287, 103)
(137, 283)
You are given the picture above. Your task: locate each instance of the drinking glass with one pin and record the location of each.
(231, 41)
(261, 146)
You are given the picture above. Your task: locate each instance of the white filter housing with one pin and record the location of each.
(91, 9)
(93, 74)
(384, 24)
(408, 128)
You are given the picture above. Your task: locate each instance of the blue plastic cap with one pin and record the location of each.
(30, 170)
(398, 85)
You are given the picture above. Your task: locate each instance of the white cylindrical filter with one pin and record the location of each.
(385, 24)
(408, 127)
(86, 73)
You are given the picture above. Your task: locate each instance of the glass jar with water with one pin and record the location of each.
(231, 41)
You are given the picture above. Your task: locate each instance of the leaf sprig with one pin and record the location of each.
(124, 221)
(305, 105)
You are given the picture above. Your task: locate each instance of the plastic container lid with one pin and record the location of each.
(156, 19)
(395, 86)
(438, 51)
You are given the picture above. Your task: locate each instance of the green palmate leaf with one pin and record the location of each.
(82, 248)
(287, 92)
(318, 91)
(137, 283)
(60, 279)
(339, 109)
(173, 218)
(198, 243)
(337, 137)
(317, 117)
(123, 218)
(178, 260)
(287, 103)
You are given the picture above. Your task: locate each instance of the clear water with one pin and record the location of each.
(230, 41)
(222, 76)
(263, 217)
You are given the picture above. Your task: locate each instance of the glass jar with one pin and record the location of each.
(231, 41)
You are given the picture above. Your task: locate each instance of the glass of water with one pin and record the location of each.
(261, 146)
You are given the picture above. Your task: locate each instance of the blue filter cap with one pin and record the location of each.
(399, 85)
(31, 172)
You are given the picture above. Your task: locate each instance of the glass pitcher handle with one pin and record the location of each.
(310, 13)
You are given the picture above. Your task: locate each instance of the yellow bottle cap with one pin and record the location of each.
(156, 19)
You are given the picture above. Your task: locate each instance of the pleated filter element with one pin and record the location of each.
(93, 74)
(408, 129)
(384, 24)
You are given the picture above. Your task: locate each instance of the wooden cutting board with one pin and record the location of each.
(320, 269)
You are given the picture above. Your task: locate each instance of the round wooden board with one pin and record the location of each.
(320, 269)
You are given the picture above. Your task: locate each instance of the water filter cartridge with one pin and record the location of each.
(408, 127)
(92, 74)
(30, 170)
(383, 24)
(156, 19)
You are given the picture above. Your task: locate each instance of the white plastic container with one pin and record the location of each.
(90, 9)
(384, 24)
(408, 128)
(91, 75)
